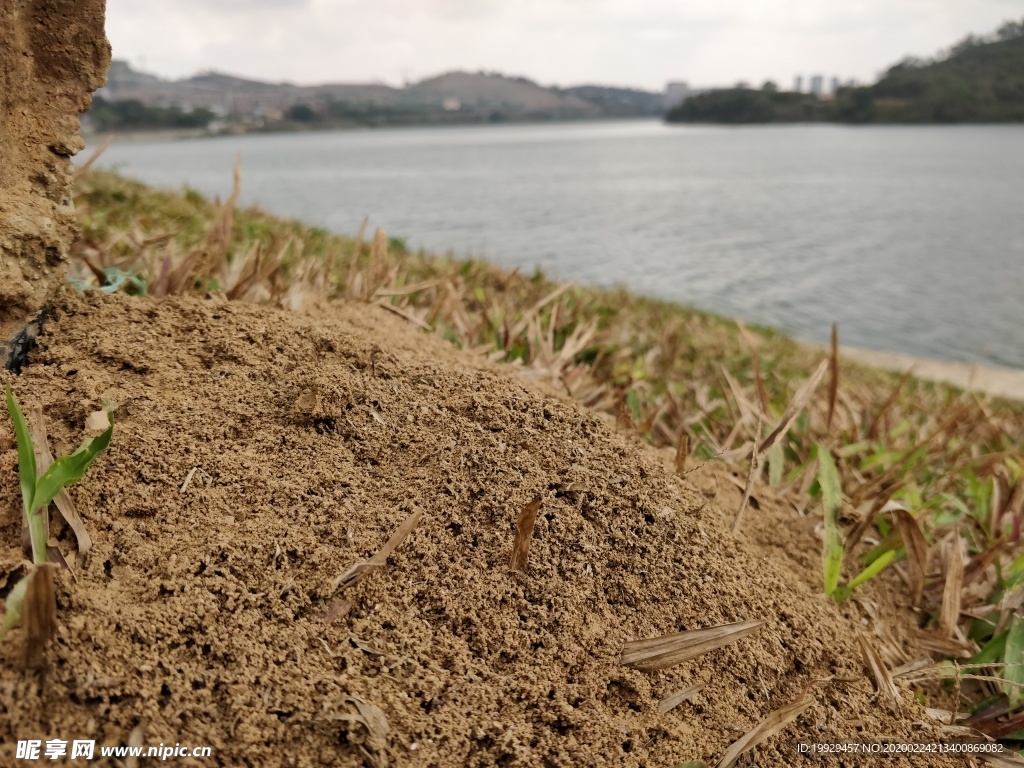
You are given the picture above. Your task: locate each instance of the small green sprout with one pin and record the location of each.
(37, 491)
(832, 501)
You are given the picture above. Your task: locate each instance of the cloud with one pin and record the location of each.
(627, 42)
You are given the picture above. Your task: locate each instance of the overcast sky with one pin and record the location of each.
(640, 43)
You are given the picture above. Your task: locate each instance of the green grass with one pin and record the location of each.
(902, 470)
(37, 491)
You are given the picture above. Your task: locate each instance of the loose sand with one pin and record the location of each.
(991, 379)
(200, 614)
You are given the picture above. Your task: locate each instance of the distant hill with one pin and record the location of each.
(479, 90)
(979, 80)
(132, 98)
(620, 102)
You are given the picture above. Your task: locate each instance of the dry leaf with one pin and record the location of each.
(360, 569)
(669, 650)
(795, 406)
(880, 673)
(748, 487)
(951, 592)
(39, 616)
(337, 609)
(833, 384)
(770, 726)
(623, 421)
(673, 700)
(755, 359)
(682, 451)
(915, 665)
(524, 532)
(404, 315)
(1002, 760)
(946, 647)
(915, 544)
(371, 718)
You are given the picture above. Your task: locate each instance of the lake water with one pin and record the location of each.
(911, 238)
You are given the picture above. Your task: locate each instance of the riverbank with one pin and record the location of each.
(992, 380)
(838, 444)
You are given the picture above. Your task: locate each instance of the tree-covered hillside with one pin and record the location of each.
(979, 80)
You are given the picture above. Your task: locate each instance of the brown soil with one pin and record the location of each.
(201, 612)
(53, 55)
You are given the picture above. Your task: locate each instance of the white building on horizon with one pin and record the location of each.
(676, 93)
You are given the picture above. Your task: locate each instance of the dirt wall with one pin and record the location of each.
(53, 55)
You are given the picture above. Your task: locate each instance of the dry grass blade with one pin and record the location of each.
(999, 729)
(768, 727)
(682, 451)
(946, 647)
(623, 421)
(62, 500)
(795, 406)
(360, 569)
(404, 315)
(892, 399)
(524, 532)
(669, 650)
(39, 616)
(755, 360)
(750, 479)
(951, 593)
(374, 720)
(673, 700)
(915, 544)
(833, 384)
(1004, 760)
(529, 314)
(83, 169)
(405, 290)
(353, 264)
(41, 450)
(912, 666)
(255, 272)
(338, 608)
(884, 683)
(218, 237)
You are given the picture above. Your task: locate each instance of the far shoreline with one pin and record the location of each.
(994, 380)
(93, 138)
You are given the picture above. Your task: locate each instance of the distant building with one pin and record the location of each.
(817, 85)
(835, 85)
(675, 94)
(798, 84)
(451, 104)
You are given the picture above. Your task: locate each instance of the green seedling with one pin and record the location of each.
(832, 501)
(37, 491)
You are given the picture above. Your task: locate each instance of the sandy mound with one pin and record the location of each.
(201, 612)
